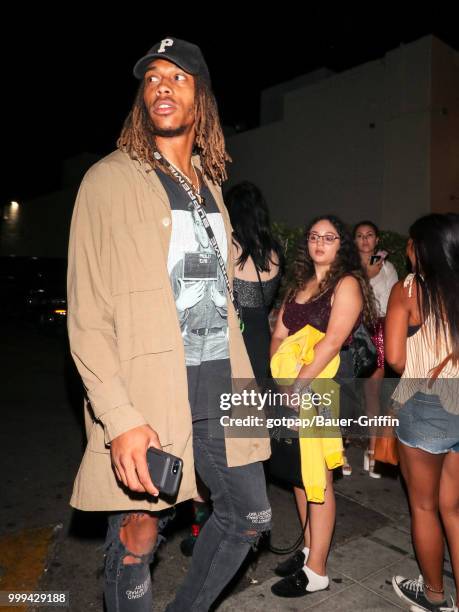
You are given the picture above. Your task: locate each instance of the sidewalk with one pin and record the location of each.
(371, 544)
(361, 567)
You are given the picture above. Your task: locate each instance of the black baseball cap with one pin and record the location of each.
(185, 54)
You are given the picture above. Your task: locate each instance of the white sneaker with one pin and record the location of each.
(346, 467)
(369, 464)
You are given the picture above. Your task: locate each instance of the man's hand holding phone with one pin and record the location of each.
(129, 458)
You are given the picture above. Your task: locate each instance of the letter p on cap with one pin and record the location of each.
(166, 42)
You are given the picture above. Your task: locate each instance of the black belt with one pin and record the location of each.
(205, 331)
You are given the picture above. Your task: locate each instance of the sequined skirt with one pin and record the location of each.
(377, 337)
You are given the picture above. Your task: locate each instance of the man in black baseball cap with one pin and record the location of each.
(185, 54)
(155, 336)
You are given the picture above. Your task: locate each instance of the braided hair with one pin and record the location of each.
(137, 137)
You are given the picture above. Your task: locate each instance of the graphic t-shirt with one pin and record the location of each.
(200, 297)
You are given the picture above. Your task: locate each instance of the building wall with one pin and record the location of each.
(406, 166)
(272, 98)
(356, 144)
(445, 128)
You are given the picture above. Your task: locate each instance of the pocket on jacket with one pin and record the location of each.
(137, 260)
(144, 323)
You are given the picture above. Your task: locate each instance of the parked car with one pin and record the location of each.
(33, 290)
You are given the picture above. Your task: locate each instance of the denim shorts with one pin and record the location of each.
(425, 424)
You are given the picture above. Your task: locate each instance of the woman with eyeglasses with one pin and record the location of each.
(382, 276)
(422, 344)
(331, 293)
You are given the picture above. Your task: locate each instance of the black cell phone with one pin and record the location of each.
(374, 259)
(165, 471)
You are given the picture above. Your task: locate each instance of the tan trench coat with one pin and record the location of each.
(124, 332)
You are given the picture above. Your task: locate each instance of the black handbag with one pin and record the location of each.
(285, 466)
(363, 352)
(285, 461)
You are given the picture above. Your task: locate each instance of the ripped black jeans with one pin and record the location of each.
(127, 587)
(241, 512)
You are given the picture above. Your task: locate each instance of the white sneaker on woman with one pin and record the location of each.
(369, 464)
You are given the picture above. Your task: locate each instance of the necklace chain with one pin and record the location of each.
(198, 186)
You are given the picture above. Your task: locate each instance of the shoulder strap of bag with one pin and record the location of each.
(205, 222)
(261, 287)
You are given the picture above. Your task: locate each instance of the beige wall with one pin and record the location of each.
(356, 144)
(445, 128)
(406, 168)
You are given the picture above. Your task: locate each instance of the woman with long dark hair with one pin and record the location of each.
(331, 293)
(257, 272)
(422, 344)
(382, 276)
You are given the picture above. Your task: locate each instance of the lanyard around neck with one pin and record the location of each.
(188, 188)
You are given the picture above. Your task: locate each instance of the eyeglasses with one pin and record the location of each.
(327, 238)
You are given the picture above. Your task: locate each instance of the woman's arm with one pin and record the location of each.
(346, 308)
(396, 328)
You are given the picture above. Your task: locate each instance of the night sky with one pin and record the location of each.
(68, 81)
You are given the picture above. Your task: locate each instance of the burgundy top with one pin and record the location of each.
(315, 312)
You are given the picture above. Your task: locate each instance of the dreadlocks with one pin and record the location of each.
(137, 137)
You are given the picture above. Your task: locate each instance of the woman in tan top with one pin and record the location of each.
(422, 344)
